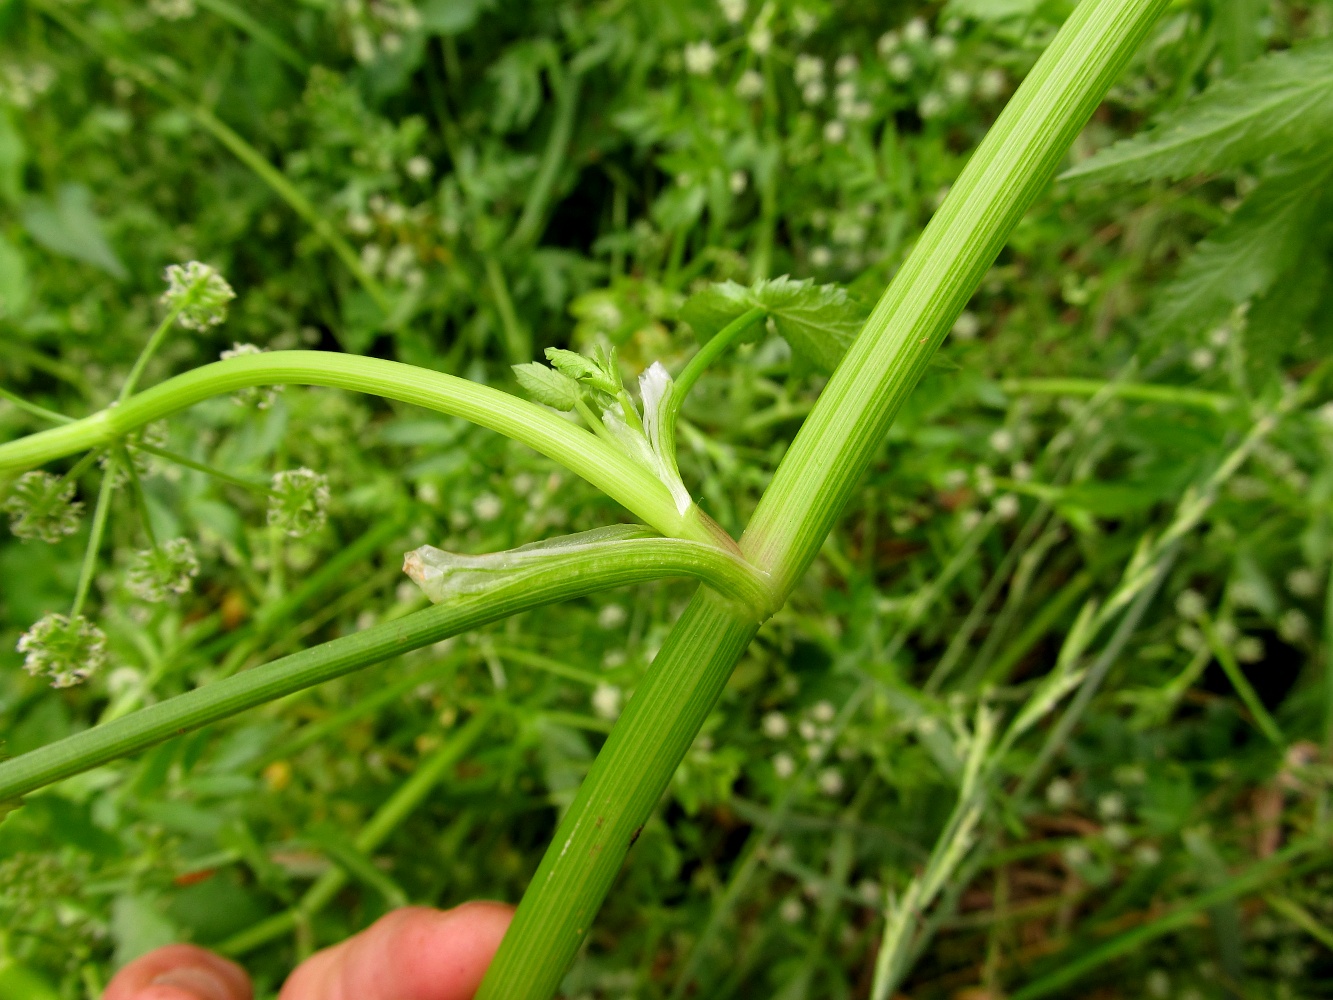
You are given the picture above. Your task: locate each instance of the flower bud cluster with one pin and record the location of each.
(300, 501)
(42, 506)
(167, 571)
(199, 292)
(66, 650)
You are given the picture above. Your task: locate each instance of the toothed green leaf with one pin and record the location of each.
(1245, 255)
(819, 322)
(548, 386)
(1278, 104)
(582, 369)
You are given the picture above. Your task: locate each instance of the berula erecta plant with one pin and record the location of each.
(624, 442)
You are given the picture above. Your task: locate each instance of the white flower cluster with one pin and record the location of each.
(700, 58)
(158, 574)
(199, 293)
(66, 650)
(42, 506)
(300, 501)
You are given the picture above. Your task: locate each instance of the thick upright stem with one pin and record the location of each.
(838, 441)
(625, 782)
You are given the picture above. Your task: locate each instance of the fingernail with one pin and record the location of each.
(203, 983)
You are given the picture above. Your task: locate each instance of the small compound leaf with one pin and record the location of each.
(548, 386)
(1278, 104)
(582, 369)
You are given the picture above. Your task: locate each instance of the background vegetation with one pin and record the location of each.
(460, 184)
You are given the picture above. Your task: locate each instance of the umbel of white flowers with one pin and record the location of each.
(42, 506)
(298, 502)
(199, 293)
(157, 574)
(66, 650)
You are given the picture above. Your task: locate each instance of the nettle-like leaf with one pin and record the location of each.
(1265, 237)
(1278, 104)
(545, 385)
(819, 322)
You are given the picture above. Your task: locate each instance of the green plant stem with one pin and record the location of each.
(1171, 395)
(95, 532)
(140, 499)
(1244, 689)
(1301, 917)
(150, 348)
(386, 819)
(233, 14)
(1239, 885)
(707, 354)
(1055, 740)
(704, 358)
(607, 468)
(530, 224)
(186, 462)
(51, 416)
(238, 146)
(561, 579)
(518, 345)
(625, 782)
(1328, 660)
(845, 430)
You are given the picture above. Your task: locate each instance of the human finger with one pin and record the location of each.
(413, 953)
(179, 972)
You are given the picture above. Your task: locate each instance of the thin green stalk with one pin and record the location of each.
(34, 358)
(722, 341)
(140, 500)
(1097, 672)
(518, 345)
(557, 579)
(1172, 395)
(154, 342)
(1328, 660)
(844, 432)
(1051, 612)
(1244, 689)
(401, 804)
(188, 463)
(607, 468)
(1181, 916)
(228, 11)
(529, 227)
(98, 528)
(1301, 917)
(239, 147)
(707, 354)
(51, 416)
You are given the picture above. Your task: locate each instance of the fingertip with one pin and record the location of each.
(179, 972)
(417, 953)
